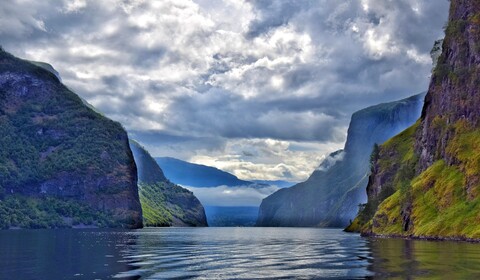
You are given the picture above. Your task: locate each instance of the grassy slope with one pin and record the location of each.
(397, 156)
(155, 212)
(442, 201)
(163, 202)
(159, 206)
(442, 206)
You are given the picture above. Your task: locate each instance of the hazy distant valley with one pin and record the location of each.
(228, 200)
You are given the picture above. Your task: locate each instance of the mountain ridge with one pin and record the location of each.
(197, 175)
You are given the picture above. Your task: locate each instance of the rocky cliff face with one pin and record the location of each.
(453, 93)
(425, 182)
(54, 148)
(164, 203)
(330, 197)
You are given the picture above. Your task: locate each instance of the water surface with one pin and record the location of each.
(228, 253)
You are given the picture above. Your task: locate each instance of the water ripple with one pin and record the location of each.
(246, 253)
(228, 253)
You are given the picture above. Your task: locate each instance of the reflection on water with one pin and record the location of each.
(229, 253)
(248, 253)
(62, 253)
(414, 259)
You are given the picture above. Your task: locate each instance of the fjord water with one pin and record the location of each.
(228, 253)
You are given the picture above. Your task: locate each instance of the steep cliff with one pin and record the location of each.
(164, 203)
(330, 197)
(425, 182)
(61, 164)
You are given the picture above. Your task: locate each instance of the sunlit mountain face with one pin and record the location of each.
(262, 90)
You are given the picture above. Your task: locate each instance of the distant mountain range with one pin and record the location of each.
(203, 176)
(197, 175)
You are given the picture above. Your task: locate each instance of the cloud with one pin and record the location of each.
(248, 159)
(16, 23)
(212, 73)
(232, 196)
(267, 159)
(330, 160)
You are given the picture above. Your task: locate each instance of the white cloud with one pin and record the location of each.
(329, 160)
(74, 6)
(267, 159)
(20, 23)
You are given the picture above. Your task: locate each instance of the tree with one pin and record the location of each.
(374, 155)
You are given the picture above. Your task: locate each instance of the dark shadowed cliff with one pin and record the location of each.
(164, 203)
(61, 164)
(425, 181)
(330, 197)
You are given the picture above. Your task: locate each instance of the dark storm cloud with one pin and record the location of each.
(272, 14)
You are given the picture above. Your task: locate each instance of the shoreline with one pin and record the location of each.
(423, 238)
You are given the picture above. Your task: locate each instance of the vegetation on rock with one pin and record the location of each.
(163, 202)
(53, 146)
(426, 181)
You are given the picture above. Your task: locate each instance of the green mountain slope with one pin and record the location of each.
(164, 203)
(425, 182)
(61, 163)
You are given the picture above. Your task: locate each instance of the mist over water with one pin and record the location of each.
(228, 253)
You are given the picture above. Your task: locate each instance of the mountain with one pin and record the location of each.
(61, 164)
(425, 182)
(196, 175)
(47, 67)
(164, 203)
(330, 197)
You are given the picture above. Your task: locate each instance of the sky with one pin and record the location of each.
(261, 89)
